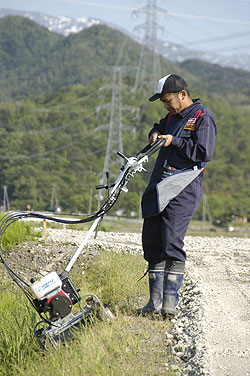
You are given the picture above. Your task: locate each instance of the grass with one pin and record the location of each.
(113, 277)
(16, 322)
(129, 345)
(16, 233)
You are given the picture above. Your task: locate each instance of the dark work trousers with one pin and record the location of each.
(163, 235)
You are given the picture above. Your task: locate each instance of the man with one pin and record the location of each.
(175, 189)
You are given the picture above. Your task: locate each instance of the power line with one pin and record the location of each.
(159, 11)
(33, 132)
(227, 48)
(31, 156)
(212, 39)
(213, 19)
(55, 108)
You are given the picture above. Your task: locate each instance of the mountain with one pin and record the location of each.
(173, 52)
(215, 79)
(60, 25)
(179, 53)
(35, 61)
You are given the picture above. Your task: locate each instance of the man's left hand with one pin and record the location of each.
(168, 138)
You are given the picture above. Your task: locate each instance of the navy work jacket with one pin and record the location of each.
(194, 132)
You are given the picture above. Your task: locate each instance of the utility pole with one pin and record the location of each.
(6, 202)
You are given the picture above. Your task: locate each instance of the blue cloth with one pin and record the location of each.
(189, 146)
(163, 234)
(194, 133)
(166, 219)
(157, 196)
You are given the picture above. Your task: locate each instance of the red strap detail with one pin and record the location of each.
(168, 119)
(198, 114)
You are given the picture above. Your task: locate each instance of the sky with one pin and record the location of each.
(221, 26)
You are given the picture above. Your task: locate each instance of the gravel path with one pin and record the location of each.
(211, 333)
(220, 269)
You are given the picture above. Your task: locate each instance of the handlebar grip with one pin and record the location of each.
(100, 186)
(155, 146)
(151, 148)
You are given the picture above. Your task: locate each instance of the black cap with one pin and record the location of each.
(171, 83)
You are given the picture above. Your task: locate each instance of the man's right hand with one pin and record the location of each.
(154, 137)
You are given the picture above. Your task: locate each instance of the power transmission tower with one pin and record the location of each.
(54, 198)
(206, 212)
(149, 68)
(115, 125)
(114, 142)
(115, 122)
(6, 202)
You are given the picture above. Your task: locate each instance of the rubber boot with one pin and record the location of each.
(173, 278)
(156, 276)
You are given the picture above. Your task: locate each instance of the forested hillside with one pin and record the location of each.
(55, 112)
(34, 61)
(231, 83)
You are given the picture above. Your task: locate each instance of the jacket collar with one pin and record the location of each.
(190, 108)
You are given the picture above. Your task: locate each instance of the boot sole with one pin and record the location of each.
(148, 312)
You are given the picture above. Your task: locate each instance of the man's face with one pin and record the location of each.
(173, 102)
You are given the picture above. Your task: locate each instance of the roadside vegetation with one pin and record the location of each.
(17, 232)
(128, 345)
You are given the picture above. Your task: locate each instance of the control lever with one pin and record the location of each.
(122, 155)
(106, 186)
(102, 186)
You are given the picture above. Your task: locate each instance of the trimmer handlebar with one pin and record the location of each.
(151, 148)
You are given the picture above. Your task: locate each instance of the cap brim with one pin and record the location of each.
(154, 97)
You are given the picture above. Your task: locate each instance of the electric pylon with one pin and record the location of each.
(54, 202)
(148, 69)
(115, 122)
(114, 142)
(206, 212)
(6, 202)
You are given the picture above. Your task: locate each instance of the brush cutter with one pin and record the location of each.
(54, 295)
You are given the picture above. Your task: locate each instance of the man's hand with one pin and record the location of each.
(154, 137)
(168, 138)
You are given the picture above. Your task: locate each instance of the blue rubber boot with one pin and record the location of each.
(156, 277)
(174, 273)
